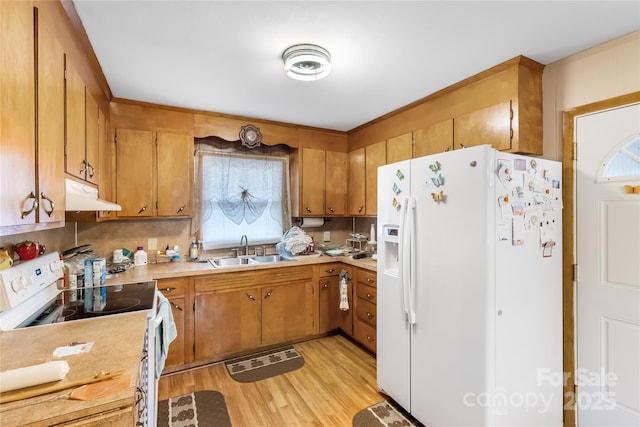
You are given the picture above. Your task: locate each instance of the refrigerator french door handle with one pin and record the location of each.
(402, 254)
(411, 284)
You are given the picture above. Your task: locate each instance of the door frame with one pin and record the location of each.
(569, 247)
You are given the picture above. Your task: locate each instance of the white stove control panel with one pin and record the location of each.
(24, 280)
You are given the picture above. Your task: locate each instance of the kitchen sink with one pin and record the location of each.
(246, 260)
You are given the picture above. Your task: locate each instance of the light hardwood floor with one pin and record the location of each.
(338, 379)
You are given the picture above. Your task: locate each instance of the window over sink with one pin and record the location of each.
(240, 191)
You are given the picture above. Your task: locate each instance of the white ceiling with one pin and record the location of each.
(225, 56)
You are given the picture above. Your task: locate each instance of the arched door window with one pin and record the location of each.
(623, 163)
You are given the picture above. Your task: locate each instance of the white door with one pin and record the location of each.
(608, 258)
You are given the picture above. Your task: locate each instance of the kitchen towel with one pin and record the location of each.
(344, 288)
(165, 333)
(28, 376)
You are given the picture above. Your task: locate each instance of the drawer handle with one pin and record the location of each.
(251, 297)
(331, 270)
(176, 306)
(167, 289)
(370, 338)
(370, 315)
(370, 280)
(369, 295)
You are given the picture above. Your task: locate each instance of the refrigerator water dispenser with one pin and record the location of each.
(390, 234)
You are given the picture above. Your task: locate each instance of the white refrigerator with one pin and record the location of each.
(470, 288)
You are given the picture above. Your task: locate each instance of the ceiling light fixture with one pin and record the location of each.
(306, 62)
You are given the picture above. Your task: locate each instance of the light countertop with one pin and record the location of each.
(186, 268)
(118, 341)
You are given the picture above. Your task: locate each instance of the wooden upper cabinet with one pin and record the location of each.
(336, 169)
(51, 186)
(75, 145)
(375, 156)
(313, 182)
(175, 174)
(17, 114)
(106, 157)
(399, 148)
(135, 155)
(491, 125)
(356, 183)
(433, 139)
(92, 140)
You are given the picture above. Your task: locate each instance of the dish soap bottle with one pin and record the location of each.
(193, 251)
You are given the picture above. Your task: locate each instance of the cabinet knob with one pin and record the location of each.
(369, 280)
(180, 209)
(268, 294)
(369, 338)
(369, 315)
(331, 210)
(360, 208)
(167, 289)
(176, 306)
(251, 297)
(307, 209)
(369, 296)
(330, 270)
(325, 285)
(51, 204)
(34, 206)
(144, 208)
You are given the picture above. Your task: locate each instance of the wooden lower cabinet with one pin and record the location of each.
(227, 321)
(242, 311)
(177, 291)
(364, 322)
(331, 317)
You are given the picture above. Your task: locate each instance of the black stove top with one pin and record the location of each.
(118, 299)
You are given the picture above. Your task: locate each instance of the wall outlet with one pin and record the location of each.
(326, 236)
(152, 244)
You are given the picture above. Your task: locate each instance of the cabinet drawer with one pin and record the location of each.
(224, 280)
(332, 269)
(171, 288)
(365, 334)
(366, 277)
(367, 293)
(366, 311)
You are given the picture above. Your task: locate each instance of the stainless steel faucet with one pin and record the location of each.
(246, 244)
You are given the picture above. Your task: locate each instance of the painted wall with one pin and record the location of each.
(601, 72)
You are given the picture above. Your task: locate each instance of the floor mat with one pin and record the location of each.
(200, 409)
(260, 366)
(383, 414)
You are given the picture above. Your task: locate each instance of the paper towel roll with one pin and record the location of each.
(28, 376)
(311, 222)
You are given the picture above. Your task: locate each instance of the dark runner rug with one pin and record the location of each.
(200, 409)
(383, 414)
(260, 366)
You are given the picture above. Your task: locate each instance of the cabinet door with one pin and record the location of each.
(287, 312)
(51, 186)
(356, 193)
(331, 316)
(106, 166)
(433, 139)
(175, 357)
(175, 174)
(491, 125)
(134, 176)
(226, 322)
(17, 114)
(399, 148)
(313, 180)
(92, 139)
(75, 154)
(375, 156)
(335, 183)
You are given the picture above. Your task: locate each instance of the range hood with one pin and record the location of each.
(82, 197)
